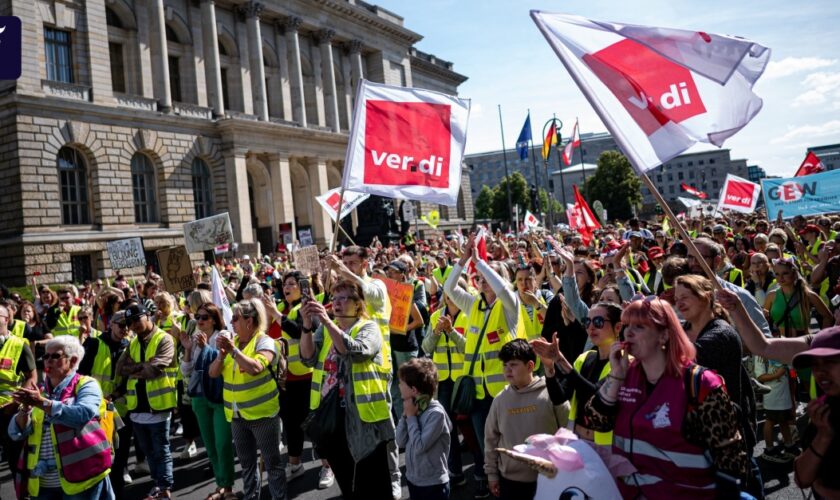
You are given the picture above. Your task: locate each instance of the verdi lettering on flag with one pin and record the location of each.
(738, 194)
(406, 143)
(811, 195)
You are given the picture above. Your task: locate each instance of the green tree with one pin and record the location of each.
(615, 184)
(484, 203)
(555, 205)
(518, 196)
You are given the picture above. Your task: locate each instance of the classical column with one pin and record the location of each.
(321, 223)
(299, 113)
(319, 84)
(281, 190)
(163, 94)
(355, 47)
(239, 206)
(144, 53)
(331, 95)
(212, 67)
(347, 98)
(283, 56)
(252, 10)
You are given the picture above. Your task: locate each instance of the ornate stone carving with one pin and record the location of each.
(293, 23)
(251, 9)
(354, 46)
(325, 35)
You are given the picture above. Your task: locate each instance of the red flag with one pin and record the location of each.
(693, 190)
(573, 143)
(811, 165)
(481, 247)
(587, 220)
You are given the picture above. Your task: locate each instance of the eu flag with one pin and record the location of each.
(10, 47)
(524, 137)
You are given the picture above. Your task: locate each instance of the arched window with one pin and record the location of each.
(143, 189)
(202, 189)
(72, 174)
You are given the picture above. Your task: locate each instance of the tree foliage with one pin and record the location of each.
(615, 184)
(484, 203)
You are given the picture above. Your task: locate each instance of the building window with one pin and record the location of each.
(202, 189)
(443, 210)
(143, 189)
(175, 78)
(691, 174)
(680, 175)
(659, 178)
(670, 177)
(225, 99)
(711, 160)
(115, 51)
(59, 55)
(671, 189)
(72, 174)
(81, 268)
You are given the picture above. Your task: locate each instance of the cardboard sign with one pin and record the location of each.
(208, 233)
(305, 237)
(401, 295)
(176, 269)
(125, 254)
(307, 260)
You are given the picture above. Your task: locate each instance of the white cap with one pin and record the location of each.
(246, 257)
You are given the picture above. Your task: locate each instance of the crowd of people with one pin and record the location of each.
(620, 336)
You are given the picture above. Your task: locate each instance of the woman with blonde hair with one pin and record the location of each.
(788, 308)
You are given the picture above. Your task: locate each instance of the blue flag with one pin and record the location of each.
(524, 137)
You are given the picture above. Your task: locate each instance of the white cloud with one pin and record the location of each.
(792, 65)
(820, 88)
(808, 132)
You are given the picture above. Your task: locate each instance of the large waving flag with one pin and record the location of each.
(549, 141)
(406, 143)
(524, 138)
(581, 217)
(693, 191)
(573, 143)
(329, 202)
(811, 165)
(659, 90)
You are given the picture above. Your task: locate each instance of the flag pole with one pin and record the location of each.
(580, 152)
(537, 204)
(504, 158)
(560, 170)
(337, 219)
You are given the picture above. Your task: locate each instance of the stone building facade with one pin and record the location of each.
(133, 117)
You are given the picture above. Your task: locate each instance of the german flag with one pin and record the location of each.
(550, 140)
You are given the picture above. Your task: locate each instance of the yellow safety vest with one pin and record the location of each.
(160, 391)
(441, 277)
(67, 323)
(370, 381)
(488, 371)
(296, 366)
(736, 277)
(10, 354)
(33, 451)
(102, 371)
(604, 438)
(534, 321)
(18, 329)
(255, 396)
(448, 359)
(383, 320)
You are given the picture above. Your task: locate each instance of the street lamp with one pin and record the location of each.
(558, 126)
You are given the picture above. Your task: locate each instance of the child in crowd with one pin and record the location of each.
(423, 430)
(778, 410)
(521, 410)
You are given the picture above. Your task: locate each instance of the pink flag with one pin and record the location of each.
(573, 143)
(659, 91)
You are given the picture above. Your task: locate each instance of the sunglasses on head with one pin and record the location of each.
(597, 322)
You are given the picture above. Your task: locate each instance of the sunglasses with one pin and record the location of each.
(202, 317)
(82, 317)
(597, 322)
(54, 356)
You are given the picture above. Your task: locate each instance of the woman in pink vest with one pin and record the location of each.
(672, 420)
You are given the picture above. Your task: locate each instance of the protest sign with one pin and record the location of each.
(809, 195)
(307, 260)
(176, 269)
(738, 194)
(406, 143)
(329, 201)
(400, 295)
(127, 253)
(305, 237)
(208, 233)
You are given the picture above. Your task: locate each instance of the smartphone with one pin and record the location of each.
(305, 289)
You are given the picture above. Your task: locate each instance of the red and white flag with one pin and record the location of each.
(574, 142)
(406, 143)
(531, 220)
(659, 90)
(738, 194)
(581, 218)
(329, 201)
(693, 191)
(811, 165)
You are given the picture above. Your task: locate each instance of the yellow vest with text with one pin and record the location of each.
(448, 359)
(255, 396)
(12, 350)
(67, 323)
(488, 371)
(160, 391)
(370, 381)
(296, 367)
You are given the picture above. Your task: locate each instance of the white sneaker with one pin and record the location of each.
(141, 468)
(326, 478)
(188, 452)
(127, 478)
(294, 471)
(180, 430)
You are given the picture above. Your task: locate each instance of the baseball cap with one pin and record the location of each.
(826, 344)
(119, 318)
(398, 265)
(810, 228)
(246, 257)
(719, 228)
(655, 253)
(634, 234)
(135, 311)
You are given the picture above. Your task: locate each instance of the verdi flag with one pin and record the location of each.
(524, 138)
(549, 141)
(573, 143)
(738, 194)
(811, 165)
(406, 143)
(531, 220)
(659, 91)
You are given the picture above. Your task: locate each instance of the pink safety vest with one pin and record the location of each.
(85, 453)
(648, 432)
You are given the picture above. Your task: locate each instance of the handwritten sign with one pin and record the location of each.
(307, 260)
(125, 254)
(401, 296)
(305, 237)
(208, 233)
(176, 269)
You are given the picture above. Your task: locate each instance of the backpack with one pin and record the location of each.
(279, 367)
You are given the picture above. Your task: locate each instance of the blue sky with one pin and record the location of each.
(496, 44)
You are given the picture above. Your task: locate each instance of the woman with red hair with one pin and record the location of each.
(671, 419)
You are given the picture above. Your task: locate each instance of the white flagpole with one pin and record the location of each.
(348, 155)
